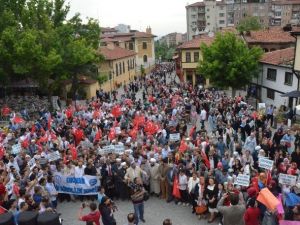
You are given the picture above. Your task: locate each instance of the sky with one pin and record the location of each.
(164, 16)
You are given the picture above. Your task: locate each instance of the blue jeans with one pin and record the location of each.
(138, 212)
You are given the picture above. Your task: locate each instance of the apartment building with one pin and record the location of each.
(212, 15)
(172, 39)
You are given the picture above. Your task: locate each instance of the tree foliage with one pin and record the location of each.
(248, 24)
(37, 41)
(228, 62)
(162, 50)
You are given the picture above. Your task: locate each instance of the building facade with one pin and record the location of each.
(212, 15)
(118, 68)
(189, 55)
(276, 78)
(142, 43)
(172, 39)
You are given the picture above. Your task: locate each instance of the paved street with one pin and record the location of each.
(156, 211)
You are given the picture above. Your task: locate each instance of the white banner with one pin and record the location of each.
(53, 156)
(242, 180)
(119, 149)
(287, 179)
(86, 185)
(265, 163)
(174, 137)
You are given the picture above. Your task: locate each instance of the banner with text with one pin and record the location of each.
(265, 163)
(242, 180)
(174, 137)
(287, 179)
(86, 185)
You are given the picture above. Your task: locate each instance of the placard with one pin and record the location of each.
(119, 149)
(265, 163)
(261, 105)
(118, 130)
(53, 156)
(15, 149)
(31, 163)
(287, 179)
(108, 149)
(242, 180)
(174, 137)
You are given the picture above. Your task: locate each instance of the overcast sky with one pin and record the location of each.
(164, 16)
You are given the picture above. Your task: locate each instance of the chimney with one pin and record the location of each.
(110, 45)
(148, 30)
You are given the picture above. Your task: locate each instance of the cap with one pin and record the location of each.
(123, 164)
(118, 160)
(152, 160)
(257, 148)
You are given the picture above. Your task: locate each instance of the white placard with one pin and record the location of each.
(31, 163)
(287, 179)
(118, 130)
(174, 137)
(242, 180)
(261, 105)
(53, 156)
(265, 163)
(119, 149)
(15, 149)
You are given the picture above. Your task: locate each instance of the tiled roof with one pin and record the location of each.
(127, 36)
(195, 43)
(274, 35)
(108, 29)
(196, 4)
(115, 52)
(279, 57)
(107, 39)
(143, 34)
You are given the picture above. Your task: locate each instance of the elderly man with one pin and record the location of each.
(154, 177)
(132, 172)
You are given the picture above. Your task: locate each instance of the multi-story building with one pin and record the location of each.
(142, 43)
(189, 54)
(212, 15)
(118, 66)
(172, 39)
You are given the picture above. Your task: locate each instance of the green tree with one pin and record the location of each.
(248, 24)
(228, 62)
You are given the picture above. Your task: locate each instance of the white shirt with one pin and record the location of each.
(51, 190)
(203, 114)
(183, 182)
(192, 183)
(79, 172)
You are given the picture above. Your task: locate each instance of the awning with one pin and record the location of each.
(292, 94)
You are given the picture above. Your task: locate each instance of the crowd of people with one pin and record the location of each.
(180, 143)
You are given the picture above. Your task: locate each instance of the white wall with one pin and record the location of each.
(277, 85)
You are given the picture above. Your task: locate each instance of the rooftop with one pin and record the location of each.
(196, 4)
(286, 2)
(273, 35)
(114, 52)
(195, 43)
(107, 29)
(279, 57)
(127, 36)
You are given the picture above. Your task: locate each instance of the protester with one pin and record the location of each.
(93, 216)
(132, 145)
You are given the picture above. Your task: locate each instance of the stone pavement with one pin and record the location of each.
(156, 211)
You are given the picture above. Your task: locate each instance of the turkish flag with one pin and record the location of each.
(5, 111)
(128, 102)
(116, 111)
(133, 133)
(98, 135)
(18, 120)
(151, 98)
(192, 131)
(112, 133)
(25, 143)
(49, 122)
(33, 128)
(96, 114)
(73, 152)
(205, 159)
(2, 152)
(183, 146)
(68, 113)
(78, 134)
(138, 120)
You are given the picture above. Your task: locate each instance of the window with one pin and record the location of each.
(117, 70)
(145, 58)
(207, 17)
(130, 46)
(270, 94)
(144, 45)
(221, 22)
(133, 63)
(288, 78)
(110, 76)
(207, 9)
(123, 67)
(188, 57)
(208, 24)
(120, 68)
(221, 14)
(128, 67)
(271, 74)
(221, 7)
(196, 56)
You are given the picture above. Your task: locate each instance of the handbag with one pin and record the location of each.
(200, 209)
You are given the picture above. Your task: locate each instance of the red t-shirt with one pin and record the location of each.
(251, 216)
(93, 216)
